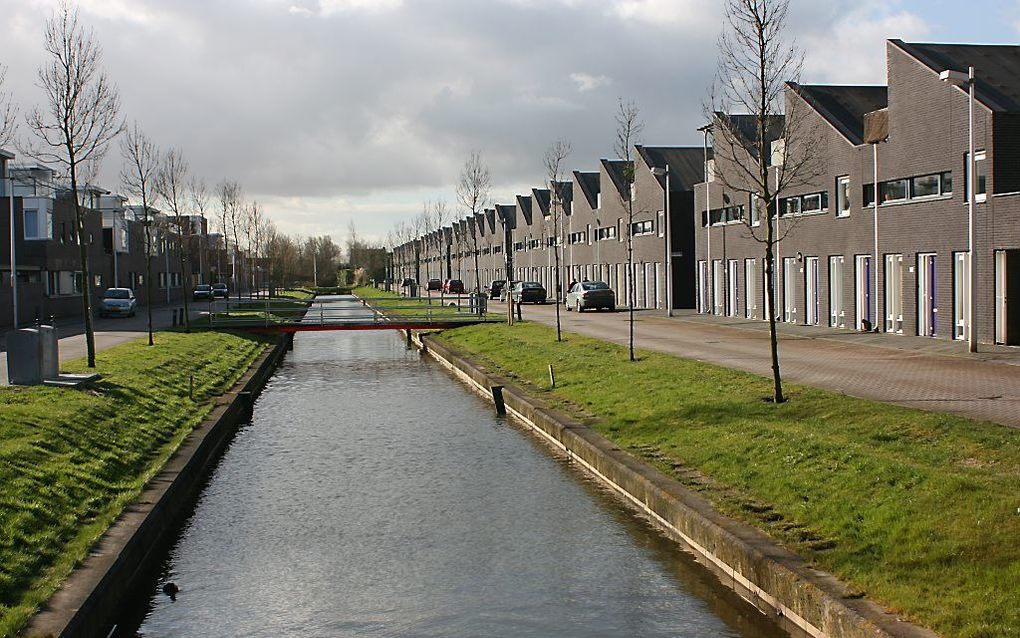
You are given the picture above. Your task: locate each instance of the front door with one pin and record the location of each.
(1007, 297)
(894, 294)
(789, 296)
(927, 299)
(862, 277)
(750, 296)
(811, 290)
(961, 294)
(718, 282)
(732, 290)
(836, 314)
(702, 287)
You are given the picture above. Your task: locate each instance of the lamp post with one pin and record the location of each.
(709, 282)
(14, 260)
(669, 240)
(961, 80)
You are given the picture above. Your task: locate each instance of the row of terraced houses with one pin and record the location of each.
(47, 256)
(897, 263)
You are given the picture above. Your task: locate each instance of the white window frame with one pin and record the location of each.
(843, 183)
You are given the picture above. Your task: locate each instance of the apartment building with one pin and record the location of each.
(892, 257)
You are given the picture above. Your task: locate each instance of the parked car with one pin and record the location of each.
(496, 288)
(591, 294)
(453, 287)
(434, 284)
(529, 292)
(202, 291)
(118, 302)
(220, 290)
(407, 283)
(506, 291)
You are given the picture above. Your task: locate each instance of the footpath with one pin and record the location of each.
(928, 374)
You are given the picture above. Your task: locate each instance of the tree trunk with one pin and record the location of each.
(770, 289)
(86, 286)
(185, 277)
(148, 269)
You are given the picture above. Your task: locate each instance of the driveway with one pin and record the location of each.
(904, 370)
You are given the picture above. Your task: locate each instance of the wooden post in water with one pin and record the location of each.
(497, 398)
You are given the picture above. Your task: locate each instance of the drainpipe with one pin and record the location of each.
(874, 265)
(14, 259)
(166, 256)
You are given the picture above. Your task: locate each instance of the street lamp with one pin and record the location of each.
(9, 182)
(961, 80)
(664, 172)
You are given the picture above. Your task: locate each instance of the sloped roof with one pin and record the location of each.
(541, 197)
(686, 164)
(844, 106)
(746, 127)
(524, 206)
(617, 171)
(566, 190)
(480, 223)
(589, 183)
(997, 68)
(490, 217)
(507, 215)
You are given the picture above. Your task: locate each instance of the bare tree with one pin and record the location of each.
(473, 195)
(138, 176)
(198, 197)
(628, 128)
(231, 215)
(8, 112)
(554, 158)
(81, 117)
(171, 186)
(755, 63)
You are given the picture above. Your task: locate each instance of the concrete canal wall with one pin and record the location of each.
(801, 599)
(89, 601)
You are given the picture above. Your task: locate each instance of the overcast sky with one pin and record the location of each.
(328, 111)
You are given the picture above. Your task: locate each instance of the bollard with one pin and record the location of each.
(552, 377)
(519, 317)
(173, 317)
(191, 387)
(497, 398)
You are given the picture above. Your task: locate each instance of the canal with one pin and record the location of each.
(374, 495)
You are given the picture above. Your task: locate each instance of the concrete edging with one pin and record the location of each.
(778, 582)
(90, 598)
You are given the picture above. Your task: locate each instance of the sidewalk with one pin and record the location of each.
(109, 332)
(930, 374)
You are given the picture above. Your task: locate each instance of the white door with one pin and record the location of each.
(836, 313)
(894, 294)
(811, 290)
(862, 280)
(961, 294)
(702, 287)
(789, 294)
(927, 304)
(732, 291)
(660, 302)
(750, 295)
(1000, 296)
(718, 281)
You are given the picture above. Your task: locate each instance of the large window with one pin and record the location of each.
(809, 204)
(605, 233)
(642, 228)
(580, 237)
(981, 169)
(727, 215)
(908, 189)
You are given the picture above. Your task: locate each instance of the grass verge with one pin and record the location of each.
(71, 460)
(393, 305)
(917, 510)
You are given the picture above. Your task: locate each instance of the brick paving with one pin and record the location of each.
(929, 374)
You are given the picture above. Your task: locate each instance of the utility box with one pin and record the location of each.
(50, 352)
(24, 357)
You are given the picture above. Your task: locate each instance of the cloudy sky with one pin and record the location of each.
(328, 111)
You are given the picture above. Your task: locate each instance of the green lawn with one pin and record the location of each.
(70, 460)
(917, 510)
(393, 305)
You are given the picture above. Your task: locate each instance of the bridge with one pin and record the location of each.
(347, 313)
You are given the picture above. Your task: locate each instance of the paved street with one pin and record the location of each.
(922, 373)
(109, 332)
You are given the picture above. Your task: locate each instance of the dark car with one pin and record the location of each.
(453, 287)
(434, 284)
(407, 283)
(202, 291)
(591, 294)
(496, 287)
(529, 292)
(220, 290)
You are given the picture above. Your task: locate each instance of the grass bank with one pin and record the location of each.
(917, 510)
(70, 460)
(393, 305)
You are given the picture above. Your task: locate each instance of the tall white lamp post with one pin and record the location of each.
(960, 79)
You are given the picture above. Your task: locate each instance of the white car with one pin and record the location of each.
(118, 302)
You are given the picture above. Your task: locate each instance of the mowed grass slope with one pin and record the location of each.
(70, 460)
(917, 510)
(392, 304)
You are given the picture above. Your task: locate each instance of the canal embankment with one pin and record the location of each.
(92, 478)
(912, 509)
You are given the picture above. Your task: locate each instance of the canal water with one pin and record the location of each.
(374, 495)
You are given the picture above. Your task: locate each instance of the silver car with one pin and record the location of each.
(118, 302)
(591, 294)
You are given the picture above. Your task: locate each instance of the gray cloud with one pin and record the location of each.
(334, 110)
